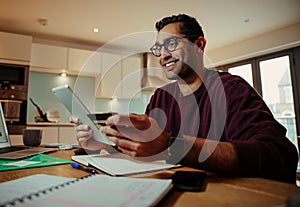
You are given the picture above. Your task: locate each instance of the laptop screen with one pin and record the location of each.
(4, 139)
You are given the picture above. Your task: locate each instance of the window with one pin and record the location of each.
(274, 78)
(288, 94)
(245, 71)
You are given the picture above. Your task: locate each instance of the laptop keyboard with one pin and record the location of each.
(12, 149)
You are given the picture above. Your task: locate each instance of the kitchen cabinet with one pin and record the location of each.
(115, 76)
(15, 48)
(48, 56)
(67, 135)
(121, 77)
(52, 133)
(110, 75)
(84, 61)
(131, 77)
(16, 139)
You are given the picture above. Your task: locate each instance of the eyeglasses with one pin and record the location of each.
(170, 45)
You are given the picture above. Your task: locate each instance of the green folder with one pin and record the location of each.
(40, 160)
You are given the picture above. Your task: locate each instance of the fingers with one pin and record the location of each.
(139, 121)
(84, 132)
(74, 120)
(111, 131)
(140, 151)
(124, 143)
(84, 136)
(127, 146)
(82, 127)
(140, 128)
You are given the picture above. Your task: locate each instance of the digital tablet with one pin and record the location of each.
(66, 96)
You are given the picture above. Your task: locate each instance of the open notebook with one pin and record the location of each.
(120, 164)
(12, 152)
(96, 190)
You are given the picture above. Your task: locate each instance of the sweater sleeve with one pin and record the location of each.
(260, 141)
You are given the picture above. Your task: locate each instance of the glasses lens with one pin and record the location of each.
(171, 45)
(155, 49)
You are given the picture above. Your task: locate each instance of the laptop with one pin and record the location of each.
(15, 152)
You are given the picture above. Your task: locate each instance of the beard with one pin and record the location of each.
(182, 71)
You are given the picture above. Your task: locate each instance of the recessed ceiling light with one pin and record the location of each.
(63, 74)
(43, 21)
(96, 30)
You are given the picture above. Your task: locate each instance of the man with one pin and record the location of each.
(205, 119)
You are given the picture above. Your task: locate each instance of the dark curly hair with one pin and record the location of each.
(189, 25)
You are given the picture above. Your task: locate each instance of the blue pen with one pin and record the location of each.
(86, 169)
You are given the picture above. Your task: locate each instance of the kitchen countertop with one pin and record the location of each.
(49, 124)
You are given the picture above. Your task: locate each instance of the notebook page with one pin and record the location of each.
(103, 190)
(121, 164)
(20, 187)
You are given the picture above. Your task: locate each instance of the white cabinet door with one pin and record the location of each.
(84, 61)
(67, 135)
(16, 139)
(120, 78)
(110, 76)
(108, 60)
(131, 77)
(15, 46)
(48, 56)
(50, 134)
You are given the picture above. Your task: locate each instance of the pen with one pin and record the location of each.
(86, 169)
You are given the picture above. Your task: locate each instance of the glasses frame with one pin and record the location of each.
(158, 47)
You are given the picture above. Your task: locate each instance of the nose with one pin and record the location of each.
(165, 54)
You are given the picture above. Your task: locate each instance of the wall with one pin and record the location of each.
(124, 106)
(40, 85)
(277, 40)
(39, 89)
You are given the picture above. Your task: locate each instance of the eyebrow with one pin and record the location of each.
(167, 39)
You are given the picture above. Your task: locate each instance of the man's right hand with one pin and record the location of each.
(85, 136)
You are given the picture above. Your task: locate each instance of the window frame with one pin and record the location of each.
(294, 58)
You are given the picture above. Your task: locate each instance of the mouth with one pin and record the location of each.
(170, 64)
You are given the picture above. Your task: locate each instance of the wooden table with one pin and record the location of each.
(219, 191)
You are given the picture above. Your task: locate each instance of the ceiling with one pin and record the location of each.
(224, 21)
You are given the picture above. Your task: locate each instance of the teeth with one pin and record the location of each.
(169, 64)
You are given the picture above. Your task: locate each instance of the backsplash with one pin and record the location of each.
(40, 85)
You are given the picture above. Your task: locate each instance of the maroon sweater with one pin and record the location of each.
(227, 108)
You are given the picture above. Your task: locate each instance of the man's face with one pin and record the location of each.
(177, 64)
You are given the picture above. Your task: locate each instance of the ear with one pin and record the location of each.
(201, 43)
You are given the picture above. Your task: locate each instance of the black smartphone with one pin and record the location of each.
(100, 118)
(188, 181)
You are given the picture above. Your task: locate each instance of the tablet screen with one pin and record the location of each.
(77, 108)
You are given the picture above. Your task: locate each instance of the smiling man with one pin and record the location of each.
(206, 119)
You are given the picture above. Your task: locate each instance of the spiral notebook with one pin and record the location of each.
(94, 190)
